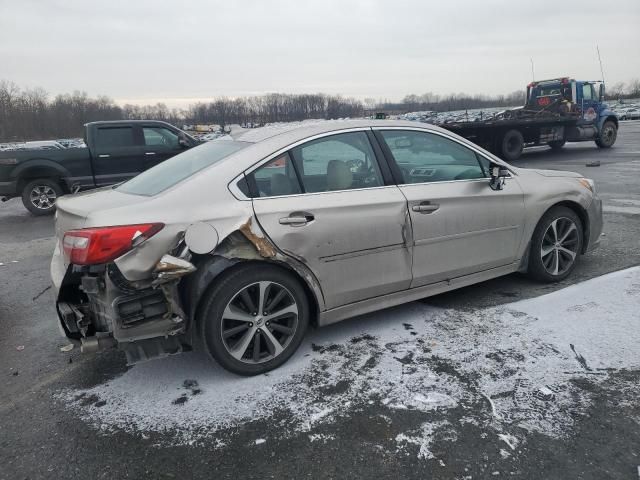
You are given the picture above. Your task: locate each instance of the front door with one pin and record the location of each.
(589, 104)
(326, 204)
(117, 155)
(460, 225)
(160, 144)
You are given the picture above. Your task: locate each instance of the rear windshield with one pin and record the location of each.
(184, 165)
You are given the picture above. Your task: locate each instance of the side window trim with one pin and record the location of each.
(388, 156)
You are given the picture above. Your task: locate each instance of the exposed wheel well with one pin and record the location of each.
(194, 294)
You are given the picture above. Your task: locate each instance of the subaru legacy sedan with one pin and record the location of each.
(238, 246)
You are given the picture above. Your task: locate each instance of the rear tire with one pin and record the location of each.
(247, 303)
(608, 135)
(556, 245)
(512, 145)
(39, 196)
(556, 145)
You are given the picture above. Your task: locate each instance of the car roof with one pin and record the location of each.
(293, 132)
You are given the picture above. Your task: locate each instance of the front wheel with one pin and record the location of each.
(555, 245)
(39, 196)
(608, 135)
(254, 319)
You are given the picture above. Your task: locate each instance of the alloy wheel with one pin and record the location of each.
(43, 197)
(259, 322)
(559, 246)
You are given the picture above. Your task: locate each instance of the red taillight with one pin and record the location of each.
(93, 246)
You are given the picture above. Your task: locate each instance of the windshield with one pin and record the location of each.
(184, 165)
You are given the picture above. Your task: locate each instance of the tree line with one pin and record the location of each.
(29, 114)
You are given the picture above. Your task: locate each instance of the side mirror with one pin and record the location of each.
(497, 175)
(602, 92)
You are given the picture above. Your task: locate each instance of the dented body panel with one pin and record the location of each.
(358, 252)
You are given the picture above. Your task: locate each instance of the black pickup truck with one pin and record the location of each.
(116, 151)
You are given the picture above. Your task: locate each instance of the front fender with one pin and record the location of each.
(606, 115)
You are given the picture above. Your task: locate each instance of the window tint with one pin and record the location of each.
(339, 162)
(426, 157)
(160, 137)
(114, 137)
(587, 91)
(276, 178)
(180, 167)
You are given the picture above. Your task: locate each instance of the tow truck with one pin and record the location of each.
(557, 111)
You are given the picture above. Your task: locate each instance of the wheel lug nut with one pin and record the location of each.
(267, 323)
(251, 324)
(254, 313)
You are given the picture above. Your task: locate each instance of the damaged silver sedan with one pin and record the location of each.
(238, 246)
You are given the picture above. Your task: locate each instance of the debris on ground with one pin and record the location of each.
(20, 348)
(67, 348)
(595, 163)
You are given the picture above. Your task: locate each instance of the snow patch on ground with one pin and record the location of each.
(509, 367)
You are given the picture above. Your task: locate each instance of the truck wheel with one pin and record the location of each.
(512, 145)
(556, 144)
(39, 196)
(608, 135)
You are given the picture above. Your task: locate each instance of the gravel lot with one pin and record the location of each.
(506, 379)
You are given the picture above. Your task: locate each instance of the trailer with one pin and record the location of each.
(557, 111)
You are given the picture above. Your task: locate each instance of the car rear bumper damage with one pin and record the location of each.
(99, 308)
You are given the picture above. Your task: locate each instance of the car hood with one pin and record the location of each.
(557, 173)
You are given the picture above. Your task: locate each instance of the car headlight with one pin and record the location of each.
(588, 183)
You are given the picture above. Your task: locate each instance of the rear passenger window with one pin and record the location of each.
(426, 157)
(338, 162)
(276, 178)
(114, 137)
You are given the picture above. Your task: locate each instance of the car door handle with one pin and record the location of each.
(149, 153)
(425, 207)
(104, 155)
(297, 219)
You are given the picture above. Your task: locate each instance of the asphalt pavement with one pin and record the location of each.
(68, 415)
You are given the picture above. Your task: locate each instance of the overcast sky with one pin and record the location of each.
(179, 51)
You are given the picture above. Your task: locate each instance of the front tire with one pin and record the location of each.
(39, 196)
(555, 245)
(254, 318)
(608, 135)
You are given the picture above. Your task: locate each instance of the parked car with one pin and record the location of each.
(242, 244)
(114, 152)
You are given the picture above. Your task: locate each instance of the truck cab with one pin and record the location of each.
(581, 99)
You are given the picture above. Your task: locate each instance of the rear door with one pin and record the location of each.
(460, 225)
(118, 154)
(327, 203)
(160, 143)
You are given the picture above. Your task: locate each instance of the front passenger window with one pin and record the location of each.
(426, 157)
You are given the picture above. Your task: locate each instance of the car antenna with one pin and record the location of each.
(600, 60)
(533, 77)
